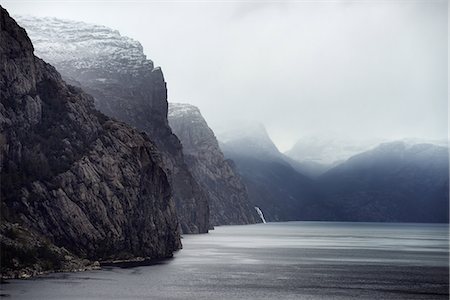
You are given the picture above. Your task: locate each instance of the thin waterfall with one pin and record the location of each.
(261, 215)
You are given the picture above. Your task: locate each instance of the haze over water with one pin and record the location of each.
(294, 260)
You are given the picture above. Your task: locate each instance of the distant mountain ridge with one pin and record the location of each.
(328, 149)
(394, 182)
(314, 155)
(274, 185)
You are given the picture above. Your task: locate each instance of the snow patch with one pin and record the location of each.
(79, 45)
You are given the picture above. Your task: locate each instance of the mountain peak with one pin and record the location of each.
(248, 137)
(86, 47)
(183, 109)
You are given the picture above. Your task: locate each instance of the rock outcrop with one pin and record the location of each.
(228, 198)
(73, 181)
(125, 86)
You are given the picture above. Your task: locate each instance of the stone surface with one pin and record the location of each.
(72, 177)
(227, 195)
(125, 86)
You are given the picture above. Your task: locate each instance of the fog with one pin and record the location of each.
(358, 69)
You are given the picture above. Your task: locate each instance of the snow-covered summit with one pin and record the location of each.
(73, 44)
(328, 149)
(183, 110)
(333, 149)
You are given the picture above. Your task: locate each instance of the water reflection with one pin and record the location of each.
(295, 260)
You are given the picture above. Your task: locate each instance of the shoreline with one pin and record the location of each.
(29, 273)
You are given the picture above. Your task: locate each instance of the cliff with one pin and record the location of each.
(127, 87)
(229, 203)
(75, 184)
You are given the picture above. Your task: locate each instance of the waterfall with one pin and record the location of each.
(261, 215)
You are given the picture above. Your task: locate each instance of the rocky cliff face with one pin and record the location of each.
(126, 86)
(71, 177)
(228, 197)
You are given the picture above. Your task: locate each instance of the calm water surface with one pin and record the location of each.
(295, 260)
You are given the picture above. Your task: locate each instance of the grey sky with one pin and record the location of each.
(359, 69)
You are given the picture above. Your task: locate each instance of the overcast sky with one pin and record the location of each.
(358, 69)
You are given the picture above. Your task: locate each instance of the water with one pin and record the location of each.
(295, 260)
(261, 215)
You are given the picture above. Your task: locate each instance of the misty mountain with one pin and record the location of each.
(402, 181)
(280, 191)
(249, 139)
(315, 155)
(395, 182)
(76, 186)
(127, 87)
(227, 195)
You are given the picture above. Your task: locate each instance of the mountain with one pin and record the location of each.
(76, 186)
(127, 87)
(276, 187)
(311, 168)
(249, 138)
(394, 182)
(315, 155)
(228, 198)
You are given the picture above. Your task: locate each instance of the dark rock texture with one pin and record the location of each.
(395, 182)
(227, 195)
(125, 86)
(69, 174)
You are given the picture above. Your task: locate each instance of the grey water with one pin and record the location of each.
(293, 260)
